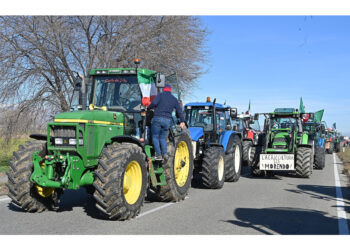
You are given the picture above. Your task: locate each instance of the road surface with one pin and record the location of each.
(282, 204)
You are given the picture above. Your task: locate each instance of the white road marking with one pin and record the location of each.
(4, 199)
(157, 208)
(342, 220)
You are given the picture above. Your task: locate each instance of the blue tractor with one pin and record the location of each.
(316, 132)
(217, 148)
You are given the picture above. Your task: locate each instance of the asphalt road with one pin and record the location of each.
(282, 204)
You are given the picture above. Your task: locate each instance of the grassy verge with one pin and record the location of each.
(345, 157)
(6, 151)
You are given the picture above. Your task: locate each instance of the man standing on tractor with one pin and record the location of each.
(163, 105)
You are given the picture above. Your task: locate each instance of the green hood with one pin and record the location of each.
(91, 116)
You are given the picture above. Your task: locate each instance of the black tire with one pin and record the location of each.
(254, 161)
(213, 176)
(246, 146)
(233, 166)
(337, 147)
(21, 190)
(319, 162)
(303, 164)
(174, 191)
(109, 181)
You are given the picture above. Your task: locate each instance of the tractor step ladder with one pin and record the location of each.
(156, 173)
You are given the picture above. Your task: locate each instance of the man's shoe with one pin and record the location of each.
(158, 158)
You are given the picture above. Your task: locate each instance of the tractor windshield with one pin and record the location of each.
(118, 92)
(283, 123)
(201, 117)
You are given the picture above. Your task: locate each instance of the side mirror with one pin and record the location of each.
(233, 113)
(78, 82)
(160, 81)
(256, 116)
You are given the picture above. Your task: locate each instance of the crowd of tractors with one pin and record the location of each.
(104, 145)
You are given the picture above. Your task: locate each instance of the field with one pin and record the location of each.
(345, 157)
(6, 151)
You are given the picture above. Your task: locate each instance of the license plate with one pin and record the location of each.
(276, 162)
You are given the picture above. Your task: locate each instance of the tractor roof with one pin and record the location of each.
(120, 71)
(203, 104)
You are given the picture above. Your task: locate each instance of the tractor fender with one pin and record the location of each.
(250, 135)
(125, 138)
(226, 136)
(196, 133)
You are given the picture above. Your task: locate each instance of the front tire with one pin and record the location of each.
(303, 165)
(177, 170)
(213, 168)
(22, 191)
(121, 181)
(254, 160)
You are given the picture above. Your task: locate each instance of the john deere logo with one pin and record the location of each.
(115, 116)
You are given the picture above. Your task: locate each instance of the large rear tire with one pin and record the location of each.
(213, 168)
(303, 165)
(23, 193)
(246, 151)
(233, 161)
(319, 162)
(178, 169)
(121, 181)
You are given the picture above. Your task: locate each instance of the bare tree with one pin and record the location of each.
(39, 55)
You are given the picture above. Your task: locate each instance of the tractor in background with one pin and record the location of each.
(315, 132)
(104, 146)
(250, 130)
(284, 146)
(217, 148)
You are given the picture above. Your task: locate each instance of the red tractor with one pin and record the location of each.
(249, 126)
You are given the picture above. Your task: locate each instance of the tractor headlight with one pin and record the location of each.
(74, 141)
(58, 141)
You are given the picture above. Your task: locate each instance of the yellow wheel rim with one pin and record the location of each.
(181, 163)
(44, 191)
(132, 182)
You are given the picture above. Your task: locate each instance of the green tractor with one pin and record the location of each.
(105, 148)
(283, 146)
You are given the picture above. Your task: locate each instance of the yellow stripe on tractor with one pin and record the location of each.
(88, 121)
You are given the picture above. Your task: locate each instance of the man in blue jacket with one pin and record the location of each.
(163, 105)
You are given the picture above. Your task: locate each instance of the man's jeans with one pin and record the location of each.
(160, 126)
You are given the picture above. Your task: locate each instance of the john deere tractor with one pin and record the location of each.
(284, 146)
(315, 132)
(105, 148)
(217, 149)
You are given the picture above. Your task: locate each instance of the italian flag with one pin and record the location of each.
(149, 92)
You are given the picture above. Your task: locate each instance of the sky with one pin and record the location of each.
(275, 60)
